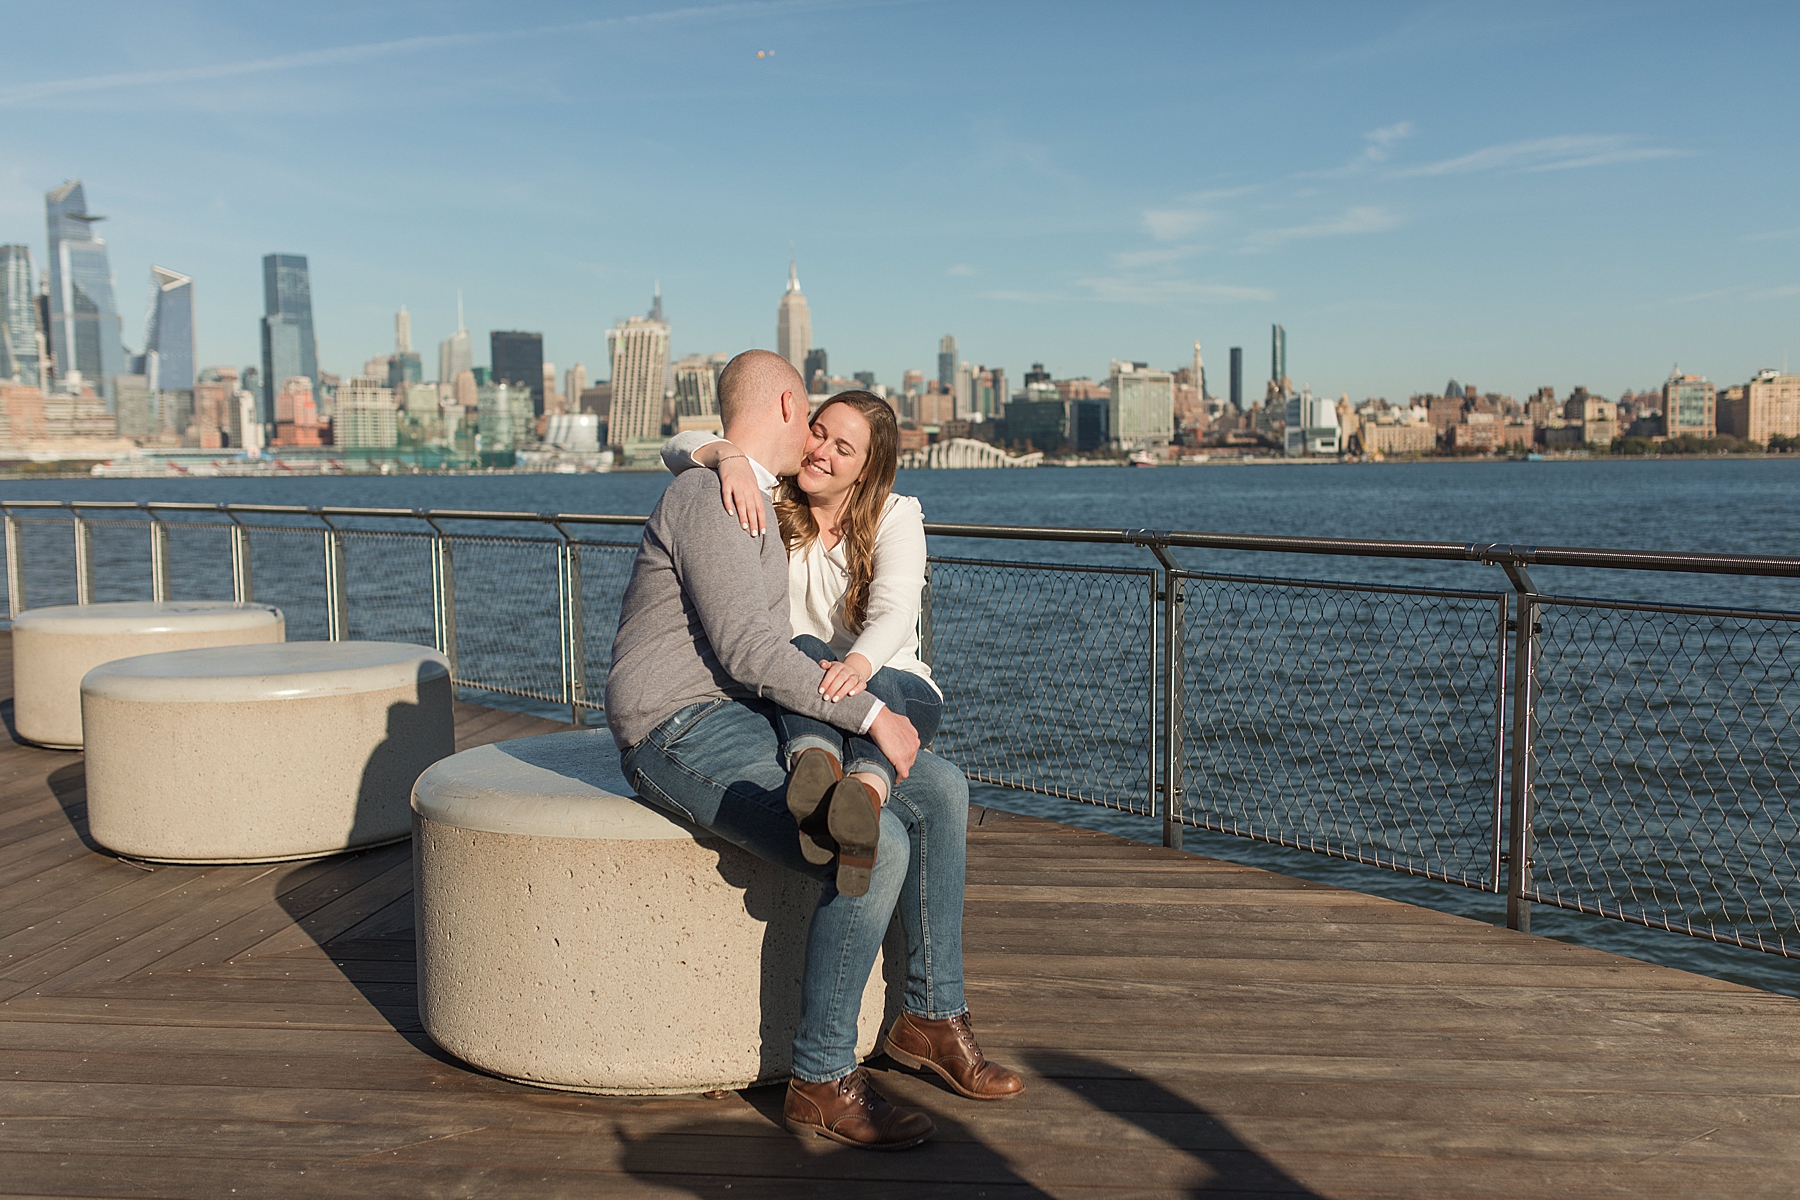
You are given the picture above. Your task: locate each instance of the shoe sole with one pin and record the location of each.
(808, 789)
(801, 1129)
(925, 1064)
(855, 825)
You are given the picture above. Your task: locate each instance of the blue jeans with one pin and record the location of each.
(718, 764)
(902, 691)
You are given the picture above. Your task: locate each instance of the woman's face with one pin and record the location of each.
(836, 453)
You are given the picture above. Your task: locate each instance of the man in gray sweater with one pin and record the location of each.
(700, 662)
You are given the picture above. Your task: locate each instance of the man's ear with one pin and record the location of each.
(787, 407)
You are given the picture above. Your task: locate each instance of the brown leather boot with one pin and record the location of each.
(948, 1047)
(815, 773)
(850, 1111)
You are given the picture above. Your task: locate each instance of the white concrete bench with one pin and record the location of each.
(262, 753)
(573, 937)
(54, 647)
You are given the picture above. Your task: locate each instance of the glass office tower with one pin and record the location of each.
(518, 358)
(20, 344)
(169, 336)
(288, 346)
(85, 330)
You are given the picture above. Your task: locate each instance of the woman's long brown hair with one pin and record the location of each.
(868, 497)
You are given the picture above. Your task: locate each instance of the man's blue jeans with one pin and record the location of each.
(718, 764)
(907, 694)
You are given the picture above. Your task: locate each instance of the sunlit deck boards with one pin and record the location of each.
(1189, 1027)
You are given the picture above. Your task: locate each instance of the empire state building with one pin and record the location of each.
(793, 323)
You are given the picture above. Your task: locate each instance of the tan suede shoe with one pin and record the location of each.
(850, 1111)
(948, 1047)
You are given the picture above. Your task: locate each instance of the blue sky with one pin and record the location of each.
(1516, 195)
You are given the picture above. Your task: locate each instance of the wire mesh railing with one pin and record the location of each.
(1636, 761)
(1362, 722)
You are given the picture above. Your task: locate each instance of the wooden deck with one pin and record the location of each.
(1188, 1027)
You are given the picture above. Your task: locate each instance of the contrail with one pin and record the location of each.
(20, 93)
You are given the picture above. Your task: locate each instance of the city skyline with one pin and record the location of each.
(1426, 192)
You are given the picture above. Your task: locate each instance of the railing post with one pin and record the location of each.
(241, 590)
(1497, 844)
(15, 567)
(337, 586)
(1525, 656)
(1174, 719)
(159, 559)
(443, 596)
(84, 558)
(574, 635)
(925, 618)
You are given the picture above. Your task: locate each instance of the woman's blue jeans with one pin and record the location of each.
(718, 764)
(902, 691)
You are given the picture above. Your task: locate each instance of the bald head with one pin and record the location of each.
(751, 385)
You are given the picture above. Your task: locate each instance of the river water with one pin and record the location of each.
(1715, 505)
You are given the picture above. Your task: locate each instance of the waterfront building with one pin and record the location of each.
(1688, 405)
(518, 358)
(297, 414)
(793, 325)
(25, 420)
(133, 406)
(1398, 432)
(77, 412)
(1042, 424)
(21, 339)
(1311, 425)
(817, 372)
(639, 349)
(366, 418)
(577, 433)
(697, 390)
(213, 414)
(288, 345)
(505, 416)
(86, 333)
(575, 382)
(947, 363)
(1768, 406)
(1141, 407)
(965, 393)
(453, 352)
(1597, 417)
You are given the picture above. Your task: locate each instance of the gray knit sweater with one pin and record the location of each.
(706, 615)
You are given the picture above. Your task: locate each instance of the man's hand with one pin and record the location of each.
(897, 739)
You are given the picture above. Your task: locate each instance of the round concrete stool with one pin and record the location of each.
(572, 937)
(54, 647)
(261, 753)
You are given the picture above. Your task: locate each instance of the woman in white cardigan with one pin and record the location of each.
(856, 567)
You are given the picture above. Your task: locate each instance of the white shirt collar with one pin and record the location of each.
(765, 479)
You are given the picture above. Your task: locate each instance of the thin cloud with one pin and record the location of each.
(1566, 153)
(962, 269)
(1365, 219)
(1026, 297)
(339, 55)
(1154, 258)
(1742, 292)
(1173, 224)
(1121, 290)
(1378, 147)
(1775, 235)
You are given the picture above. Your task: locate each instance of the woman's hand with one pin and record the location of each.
(841, 679)
(743, 499)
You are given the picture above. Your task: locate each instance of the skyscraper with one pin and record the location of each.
(947, 363)
(639, 349)
(21, 341)
(817, 369)
(1237, 378)
(1277, 355)
(85, 329)
(793, 325)
(518, 358)
(169, 334)
(453, 352)
(289, 348)
(402, 331)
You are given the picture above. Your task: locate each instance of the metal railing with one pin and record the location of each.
(1638, 761)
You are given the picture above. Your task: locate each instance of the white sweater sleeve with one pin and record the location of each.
(678, 452)
(893, 619)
